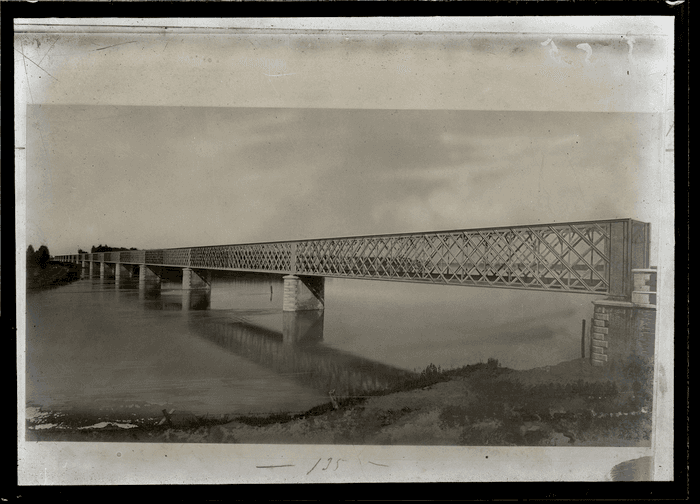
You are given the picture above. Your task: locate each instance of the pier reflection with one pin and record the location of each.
(302, 328)
(297, 351)
(149, 290)
(175, 300)
(196, 299)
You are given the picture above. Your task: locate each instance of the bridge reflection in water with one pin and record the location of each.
(297, 351)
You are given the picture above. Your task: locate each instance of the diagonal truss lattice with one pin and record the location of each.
(575, 257)
(554, 257)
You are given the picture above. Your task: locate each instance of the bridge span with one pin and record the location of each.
(599, 257)
(591, 257)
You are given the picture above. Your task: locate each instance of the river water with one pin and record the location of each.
(98, 345)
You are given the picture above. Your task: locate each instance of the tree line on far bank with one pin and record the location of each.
(43, 273)
(105, 248)
(39, 258)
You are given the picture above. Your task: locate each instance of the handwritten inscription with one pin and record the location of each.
(322, 466)
(330, 461)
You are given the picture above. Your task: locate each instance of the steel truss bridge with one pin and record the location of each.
(593, 257)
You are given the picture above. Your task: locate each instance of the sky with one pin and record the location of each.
(161, 177)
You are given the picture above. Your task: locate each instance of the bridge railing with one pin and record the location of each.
(594, 257)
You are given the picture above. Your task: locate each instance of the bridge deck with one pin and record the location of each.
(594, 257)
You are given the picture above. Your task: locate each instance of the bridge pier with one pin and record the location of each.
(106, 270)
(195, 279)
(92, 268)
(146, 274)
(625, 329)
(303, 293)
(119, 268)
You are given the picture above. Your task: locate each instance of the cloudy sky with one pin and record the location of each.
(158, 177)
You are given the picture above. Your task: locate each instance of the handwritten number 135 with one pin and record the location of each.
(330, 460)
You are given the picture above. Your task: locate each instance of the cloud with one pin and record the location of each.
(160, 177)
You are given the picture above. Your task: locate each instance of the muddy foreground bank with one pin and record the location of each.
(570, 404)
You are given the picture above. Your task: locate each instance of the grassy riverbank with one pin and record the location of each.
(570, 404)
(53, 274)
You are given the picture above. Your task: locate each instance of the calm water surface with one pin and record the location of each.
(98, 345)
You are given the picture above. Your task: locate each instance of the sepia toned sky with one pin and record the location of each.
(164, 140)
(159, 177)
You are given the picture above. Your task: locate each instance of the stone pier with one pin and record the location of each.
(623, 329)
(146, 274)
(106, 270)
(303, 293)
(195, 279)
(120, 269)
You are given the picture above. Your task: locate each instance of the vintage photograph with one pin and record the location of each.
(450, 239)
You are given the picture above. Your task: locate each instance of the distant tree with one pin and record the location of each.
(31, 259)
(42, 256)
(81, 251)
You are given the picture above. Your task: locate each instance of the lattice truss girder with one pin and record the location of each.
(574, 257)
(266, 257)
(563, 257)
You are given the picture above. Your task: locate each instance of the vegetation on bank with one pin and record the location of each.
(571, 404)
(44, 273)
(54, 274)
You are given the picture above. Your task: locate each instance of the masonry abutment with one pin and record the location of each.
(625, 329)
(303, 293)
